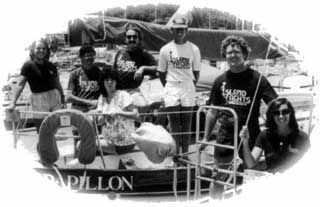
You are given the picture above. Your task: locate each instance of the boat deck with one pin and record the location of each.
(136, 158)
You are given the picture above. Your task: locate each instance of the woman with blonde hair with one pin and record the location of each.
(43, 78)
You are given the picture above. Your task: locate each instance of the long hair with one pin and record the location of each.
(108, 74)
(33, 47)
(235, 40)
(275, 105)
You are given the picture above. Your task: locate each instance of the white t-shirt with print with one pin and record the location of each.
(179, 61)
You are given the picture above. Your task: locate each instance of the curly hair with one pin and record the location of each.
(235, 40)
(275, 105)
(33, 48)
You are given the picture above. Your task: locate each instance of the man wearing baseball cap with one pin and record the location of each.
(179, 67)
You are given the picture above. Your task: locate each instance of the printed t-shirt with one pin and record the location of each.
(85, 84)
(179, 61)
(236, 90)
(127, 63)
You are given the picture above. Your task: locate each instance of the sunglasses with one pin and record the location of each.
(132, 36)
(283, 112)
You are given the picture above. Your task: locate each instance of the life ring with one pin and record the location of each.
(47, 146)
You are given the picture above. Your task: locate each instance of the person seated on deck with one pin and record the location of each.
(117, 108)
(282, 141)
(83, 83)
(43, 78)
(83, 86)
(132, 63)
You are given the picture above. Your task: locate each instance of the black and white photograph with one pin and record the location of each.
(159, 103)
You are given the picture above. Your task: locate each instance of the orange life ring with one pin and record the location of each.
(47, 146)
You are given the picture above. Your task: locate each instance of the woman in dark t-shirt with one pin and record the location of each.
(43, 79)
(282, 142)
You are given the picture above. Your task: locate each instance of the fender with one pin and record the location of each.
(47, 147)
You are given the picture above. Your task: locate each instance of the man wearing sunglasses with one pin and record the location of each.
(133, 62)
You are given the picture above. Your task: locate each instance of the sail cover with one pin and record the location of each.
(110, 30)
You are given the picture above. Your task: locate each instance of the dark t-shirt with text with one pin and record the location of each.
(85, 83)
(127, 63)
(236, 90)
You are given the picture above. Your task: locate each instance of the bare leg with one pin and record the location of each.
(186, 123)
(175, 125)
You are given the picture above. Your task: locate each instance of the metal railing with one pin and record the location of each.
(233, 172)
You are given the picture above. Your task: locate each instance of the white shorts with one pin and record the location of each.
(45, 102)
(179, 93)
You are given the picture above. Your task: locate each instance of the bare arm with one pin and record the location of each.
(149, 70)
(162, 67)
(59, 87)
(150, 66)
(162, 76)
(250, 157)
(145, 70)
(75, 99)
(196, 65)
(211, 118)
(130, 113)
(17, 92)
(196, 76)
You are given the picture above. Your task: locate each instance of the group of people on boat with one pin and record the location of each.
(112, 90)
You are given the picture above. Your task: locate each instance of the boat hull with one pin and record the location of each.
(125, 182)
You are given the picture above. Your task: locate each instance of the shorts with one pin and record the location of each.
(180, 93)
(225, 134)
(225, 163)
(45, 102)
